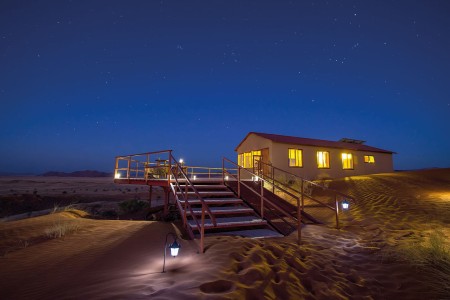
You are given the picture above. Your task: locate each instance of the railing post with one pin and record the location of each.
(302, 194)
(202, 230)
(337, 211)
(262, 200)
(129, 167)
(239, 182)
(223, 171)
(117, 166)
(272, 171)
(169, 173)
(299, 222)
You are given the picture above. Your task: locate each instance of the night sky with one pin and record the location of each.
(84, 81)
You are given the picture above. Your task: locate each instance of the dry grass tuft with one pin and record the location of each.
(61, 229)
(433, 257)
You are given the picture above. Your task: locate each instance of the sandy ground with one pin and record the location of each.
(115, 259)
(24, 194)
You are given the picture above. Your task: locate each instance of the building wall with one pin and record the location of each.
(279, 157)
(254, 142)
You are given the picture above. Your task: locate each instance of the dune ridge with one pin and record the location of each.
(111, 259)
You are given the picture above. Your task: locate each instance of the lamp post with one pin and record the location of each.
(174, 248)
(345, 204)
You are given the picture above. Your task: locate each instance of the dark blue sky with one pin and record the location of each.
(84, 81)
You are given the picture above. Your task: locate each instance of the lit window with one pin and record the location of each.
(370, 159)
(347, 161)
(256, 155)
(246, 159)
(241, 160)
(295, 158)
(323, 159)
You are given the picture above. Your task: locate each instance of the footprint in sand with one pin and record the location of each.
(237, 256)
(217, 287)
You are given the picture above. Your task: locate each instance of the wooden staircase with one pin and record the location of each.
(234, 201)
(230, 215)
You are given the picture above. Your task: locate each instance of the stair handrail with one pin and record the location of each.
(302, 179)
(302, 193)
(263, 198)
(188, 182)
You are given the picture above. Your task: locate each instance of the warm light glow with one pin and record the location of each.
(323, 159)
(181, 161)
(195, 177)
(117, 176)
(226, 177)
(370, 159)
(295, 157)
(347, 161)
(255, 178)
(246, 159)
(241, 160)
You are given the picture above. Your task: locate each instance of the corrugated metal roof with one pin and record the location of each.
(284, 139)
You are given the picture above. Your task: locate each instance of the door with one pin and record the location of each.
(266, 162)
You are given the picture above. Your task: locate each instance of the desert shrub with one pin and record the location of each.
(433, 257)
(60, 229)
(109, 214)
(132, 206)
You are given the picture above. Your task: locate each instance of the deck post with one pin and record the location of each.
(166, 201)
(150, 190)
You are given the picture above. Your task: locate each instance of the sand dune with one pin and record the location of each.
(102, 259)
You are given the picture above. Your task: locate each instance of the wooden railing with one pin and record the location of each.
(180, 176)
(243, 177)
(270, 173)
(144, 166)
(161, 165)
(203, 172)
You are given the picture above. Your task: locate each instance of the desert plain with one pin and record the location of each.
(393, 243)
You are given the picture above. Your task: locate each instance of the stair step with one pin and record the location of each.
(224, 210)
(231, 222)
(207, 186)
(210, 193)
(212, 201)
(250, 233)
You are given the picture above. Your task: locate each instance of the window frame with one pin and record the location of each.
(298, 157)
(349, 161)
(368, 160)
(327, 165)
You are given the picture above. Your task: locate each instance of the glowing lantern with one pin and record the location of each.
(174, 248)
(345, 204)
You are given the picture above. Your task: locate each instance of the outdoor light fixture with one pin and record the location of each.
(226, 177)
(181, 161)
(117, 176)
(255, 178)
(195, 177)
(174, 248)
(345, 204)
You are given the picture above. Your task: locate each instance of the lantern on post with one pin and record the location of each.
(174, 248)
(345, 204)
